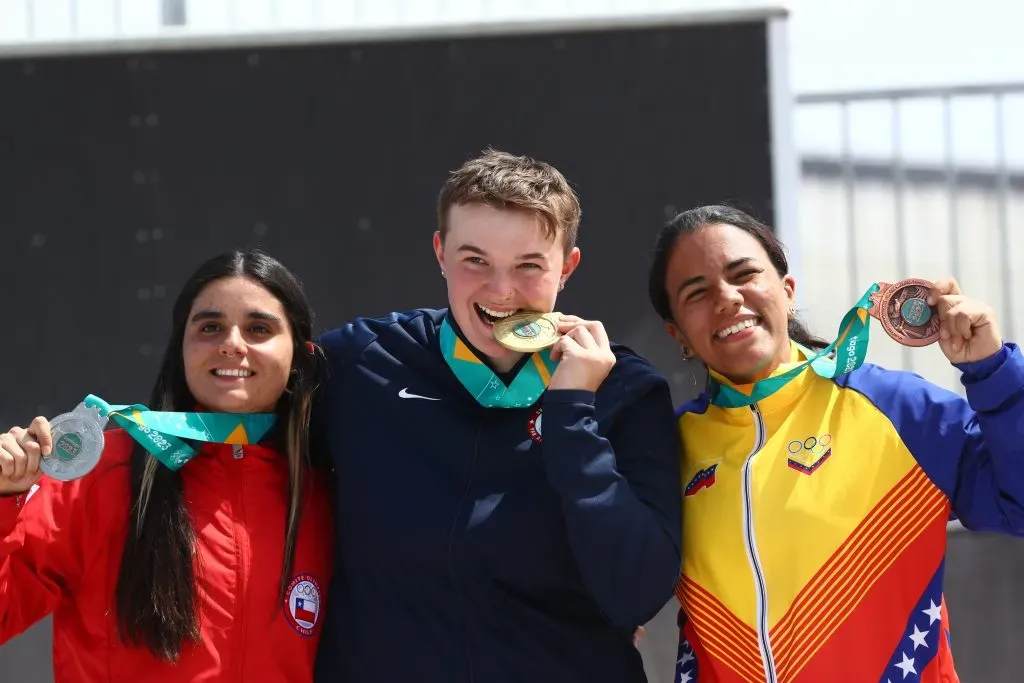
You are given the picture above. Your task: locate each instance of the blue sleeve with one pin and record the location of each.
(621, 498)
(972, 449)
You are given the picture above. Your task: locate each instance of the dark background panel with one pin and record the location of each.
(121, 173)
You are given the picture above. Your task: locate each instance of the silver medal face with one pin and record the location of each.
(77, 443)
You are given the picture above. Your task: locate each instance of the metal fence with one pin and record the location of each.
(910, 180)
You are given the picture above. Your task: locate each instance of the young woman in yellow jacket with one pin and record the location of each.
(817, 487)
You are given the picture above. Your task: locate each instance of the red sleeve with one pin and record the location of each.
(10, 506)
(50, 536)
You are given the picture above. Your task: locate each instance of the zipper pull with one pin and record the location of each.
(236, 451)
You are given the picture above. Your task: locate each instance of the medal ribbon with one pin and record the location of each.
(852, 345)
(484, 385)
(161, 433)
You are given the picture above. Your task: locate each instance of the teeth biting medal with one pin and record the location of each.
(527, 332)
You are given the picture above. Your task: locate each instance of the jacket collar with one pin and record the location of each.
(781, 399)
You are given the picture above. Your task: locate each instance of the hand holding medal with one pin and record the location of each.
(581, 347)
(967, 327)
(916, 312)
(21, 451)
(65, 448)
(584, 354)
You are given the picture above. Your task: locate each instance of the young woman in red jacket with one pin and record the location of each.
(216, 571)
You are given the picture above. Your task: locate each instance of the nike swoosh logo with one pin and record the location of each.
(404, 393)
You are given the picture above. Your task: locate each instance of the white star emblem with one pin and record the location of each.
(934, 612)
(907, 665)
(685, 677)
(687, 657)
(918, 636)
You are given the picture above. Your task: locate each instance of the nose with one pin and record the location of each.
(502, 287)
(232, 344)
(728, 298)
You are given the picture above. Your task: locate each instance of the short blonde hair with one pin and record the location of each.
(505, 181)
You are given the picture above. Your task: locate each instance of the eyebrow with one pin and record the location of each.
(217, 315)
(731, 265)
(522, 257)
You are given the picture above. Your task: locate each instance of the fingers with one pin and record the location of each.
(18, 457)
(565, 344)
(595, 328)
(9, 452)
(582, 336)
(40, 431)
(599, 334)
(941, 288)
(959, 315)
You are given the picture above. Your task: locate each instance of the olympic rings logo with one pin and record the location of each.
(815, 445)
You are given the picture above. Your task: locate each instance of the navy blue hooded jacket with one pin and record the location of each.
(491, 545)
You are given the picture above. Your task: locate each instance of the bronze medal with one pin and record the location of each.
(903, 310)
(527, 332)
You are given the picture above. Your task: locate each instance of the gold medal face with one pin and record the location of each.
(527, 332)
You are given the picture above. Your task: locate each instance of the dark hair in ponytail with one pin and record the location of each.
(157, 597)
(689, 222)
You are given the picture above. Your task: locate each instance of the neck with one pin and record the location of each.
(499, 365)
(763, 371)
(503, 364)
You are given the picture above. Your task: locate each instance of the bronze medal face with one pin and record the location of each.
(527, 332)
(903, 310)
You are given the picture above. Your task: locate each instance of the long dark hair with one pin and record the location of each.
(156, 588)
(693, 220)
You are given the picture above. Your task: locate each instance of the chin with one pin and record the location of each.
(487, 345)
(230, 404)
(750, 371)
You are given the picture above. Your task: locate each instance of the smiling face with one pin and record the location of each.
(730, 307)
(237, 347)
(498, 262)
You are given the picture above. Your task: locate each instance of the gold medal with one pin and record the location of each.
(527, 332)
(903, 310)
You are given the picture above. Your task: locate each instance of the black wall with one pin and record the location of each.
(121, 173)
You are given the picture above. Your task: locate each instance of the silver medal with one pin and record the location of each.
(77, 443)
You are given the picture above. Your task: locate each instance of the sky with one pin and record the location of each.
(835, 45)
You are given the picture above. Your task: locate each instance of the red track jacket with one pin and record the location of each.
(61, 550)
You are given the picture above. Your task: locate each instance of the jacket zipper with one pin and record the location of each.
(243, 561)
(760, 587)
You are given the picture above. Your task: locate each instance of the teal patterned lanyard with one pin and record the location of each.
(484, 385)
(161, 433)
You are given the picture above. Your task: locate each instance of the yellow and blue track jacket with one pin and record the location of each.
(815, 521)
